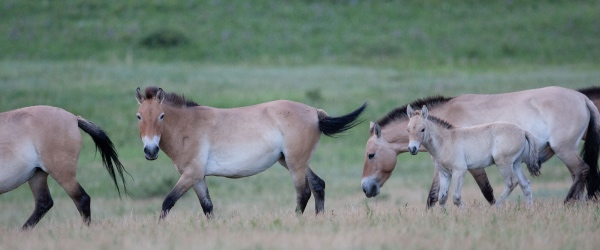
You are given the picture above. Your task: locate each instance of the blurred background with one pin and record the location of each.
(88, 57)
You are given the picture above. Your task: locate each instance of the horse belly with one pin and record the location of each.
(17, 165)
(242, 163)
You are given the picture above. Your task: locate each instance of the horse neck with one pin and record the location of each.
(175, 119)
(396, 135)
(436, 138)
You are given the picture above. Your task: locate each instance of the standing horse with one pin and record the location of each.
(39, 141)
(557, 117)
(204, 141)
(457, 150)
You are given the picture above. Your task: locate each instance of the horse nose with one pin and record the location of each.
(151, 153)
(413, 150)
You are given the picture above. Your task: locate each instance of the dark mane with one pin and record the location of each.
(440, 122)
(170, 98)
(399, 113)
(591, 92)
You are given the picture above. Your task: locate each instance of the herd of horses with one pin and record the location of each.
(464, 133)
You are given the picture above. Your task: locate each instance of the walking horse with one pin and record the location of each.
(457, 150)
(39, 141)
(238, 142)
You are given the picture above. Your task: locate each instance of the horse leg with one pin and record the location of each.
(484, 184)
(317, 186)
(43, 201)
(579, 171)
(202, 192)
(524, 183)
(66, 179)
(185, 182)
(444, 180)
(300, 177)
(458, 177)
(432, 198)
(509, 184)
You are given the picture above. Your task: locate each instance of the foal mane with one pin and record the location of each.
(171, 99)
(399, 113)
(440, 122)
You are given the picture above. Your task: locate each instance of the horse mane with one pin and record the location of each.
(591, 92)
(170, 98)
(399, 113)
(440, 122)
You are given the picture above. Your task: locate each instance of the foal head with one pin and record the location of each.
(417, 128)
(150, 119)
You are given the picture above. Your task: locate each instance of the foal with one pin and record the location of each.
(460, 149)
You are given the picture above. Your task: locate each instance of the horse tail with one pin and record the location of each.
(107, 150)
(334, 125)
(533, 163)
(590, 151)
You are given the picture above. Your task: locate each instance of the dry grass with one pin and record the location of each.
(351, 222)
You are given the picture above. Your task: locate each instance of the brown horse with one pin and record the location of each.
(39, 141)
(557, 117)
(457, 150)
(204, 141)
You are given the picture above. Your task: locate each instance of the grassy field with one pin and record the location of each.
(89, 57)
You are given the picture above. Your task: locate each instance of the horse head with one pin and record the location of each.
(380, 161)
(416, 128)
(150, 117)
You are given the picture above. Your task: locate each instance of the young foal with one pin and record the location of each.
(39, 141)
(204, 141)
(460, 149)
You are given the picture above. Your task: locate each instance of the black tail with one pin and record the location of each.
(107, 150)
(334, 125)
(590, 152)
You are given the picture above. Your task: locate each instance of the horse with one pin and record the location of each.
(557, 117)
(457, 150)
(238, 142)
(38, 141)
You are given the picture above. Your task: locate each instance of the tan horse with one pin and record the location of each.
(39, 141)
(557, 117)
(204, 141)
(457, 150)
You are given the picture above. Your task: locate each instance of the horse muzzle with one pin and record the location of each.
(151, 153)
(370, 187)
(413, 150)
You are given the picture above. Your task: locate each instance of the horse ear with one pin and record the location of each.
(160, 95)
(374, 128)
(138, 95)
(409, 111)
(424, 112)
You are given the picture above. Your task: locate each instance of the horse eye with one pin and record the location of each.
(371, 156)
(139, 117)
(422, 130)
(161, 116)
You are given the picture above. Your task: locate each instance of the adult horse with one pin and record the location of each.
(460, 149)
(204, 141)
(39, 141)
(557, 117)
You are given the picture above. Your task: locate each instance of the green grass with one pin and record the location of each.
(400, 33)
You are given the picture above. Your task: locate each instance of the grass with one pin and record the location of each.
(87, 57)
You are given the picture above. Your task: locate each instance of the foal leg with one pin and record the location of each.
(444, 179)
(524, 183)
(43, 201)
(317, 186)
(509, 185)
(202, 192)
(458, 177)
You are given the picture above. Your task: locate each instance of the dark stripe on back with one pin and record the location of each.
(591, 92)
(399, 113)
(170, 98)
